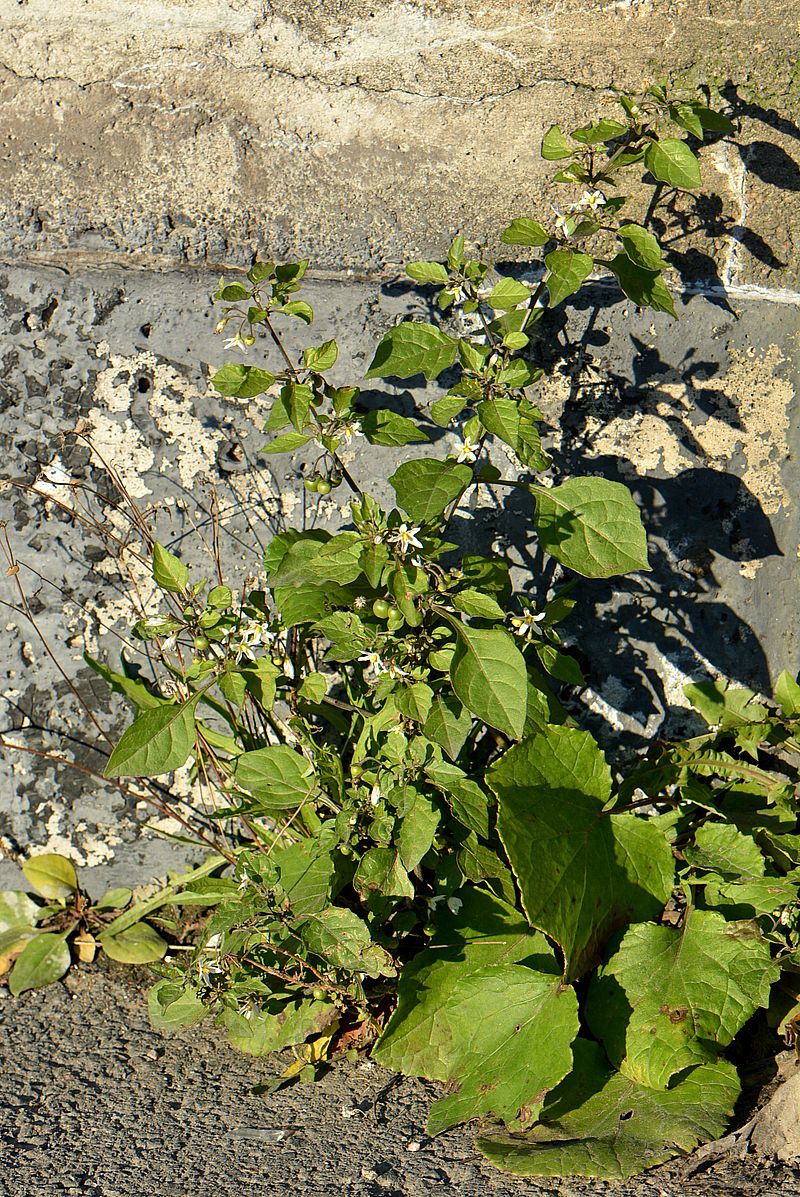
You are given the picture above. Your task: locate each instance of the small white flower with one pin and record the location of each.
(564, 224)
(395, 671)
(374, 662)
(246, 638)
(244, 881)
(348, 431)
(236, 342)
(524, 624)
(590, 201)
(359, 602)
(469, 450)
(406, 538)
(375, 795)
(248, 1006)
(454, 905)
(214, 942)
(205, 970)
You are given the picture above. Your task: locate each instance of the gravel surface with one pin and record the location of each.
(98, 1104)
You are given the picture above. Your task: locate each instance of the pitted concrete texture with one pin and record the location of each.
(170, 132)
(697, 416)
(97, 1104)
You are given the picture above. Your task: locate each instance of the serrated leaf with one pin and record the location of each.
(170, 1007)
(555, 145)
(488, 675)
(42, 961)
(525, 232)
(388, 428)
(599, 1123)
(512, 1029)
(568, 270)
(672, 998)
(286, 442)
(343, 940)
(413, 348)
(646, 288)
(51, 875)
(277, 775)
(427, 272)
(722, 848)
(641, 247)
(426, 486)
(507, 294)
(581, 874)
(139, 944)
(671, 161)
(418, 1039)
(158, 741)
(591, 525)
(169, 573)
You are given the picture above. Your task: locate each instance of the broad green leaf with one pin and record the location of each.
(581, 874)
(514, 421)
(646, 288)
(508, 293)
(446, 409)
(343, 940)
(322, 357)
(170, 1007)
(413, 348)
(12, 943)
(169, 573)
(426, 486)
(488, 675)
(525, 232)
(42, 961)
(139, 944)
(599, 1123)
(299, 308)
(114, 899)
(448, 724)
(568, 270)
(388, 428)
(308, 603)
(641, 247)
(722, 704)
(414, 701)
(512, 1029)
(311, 562)
(242, 382)
(672, 998)
(591, 525)
(51, 875)
(313, 687)
(427, 272)
(671, 161)
(282, 1025)
(131, 687)
(599, 131)
(555, 145)
(685, 116)
(417, 829)
(306, 875)
(748, 899)
(721, 848)
(787, 694)
(418, 1038)
(158, 741)
(18, 910)
(286, 442)
(466, 799)
(711, 120)
(277, 775)
(478, 604)
(380, 872)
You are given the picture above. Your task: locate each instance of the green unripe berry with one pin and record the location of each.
(318, 994)
(201, 643)
(312, 484)
(380, 608)
(324, 487)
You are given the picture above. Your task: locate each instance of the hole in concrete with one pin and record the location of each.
(143, 384)
(48, 312)
(146, 329)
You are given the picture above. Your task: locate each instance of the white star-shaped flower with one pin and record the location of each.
(406, 538)
(524, 624)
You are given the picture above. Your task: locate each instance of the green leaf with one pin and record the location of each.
(512, 1029)
(555, 145)
(445, 410)
(139, 944)
(721, 848)
(448, 724)
(322, 357)
(427, 272)
(286, 442)
(724, 705)
(525, 232)
(641, 247)
(488, 675)
(343, 940)
(713, 121)
(591, 525)
(310, 561)
(306, 874)
(599, 1123)
(414, 701)
(568, 270)
(234, 292)
(42, 961)
(466, 799)
(646, 288)
(313, 687)
(388, 428)
(417, 829)
(283, 1024)
(426, 486)
(17, 910)
(381, 872)
(671, 161)
(599, 131)
(299, 308)
(418, 1039)
(51, 875)
(787, 694)
(158, 741)
(508, 293)
(280, 777)
(749, 899)
(413, 348)
(114, 899)
(513, 421)
(672, 998)
(169, 573)
(132, 688)
(478, 604)
(581, 874)
(170, 1007)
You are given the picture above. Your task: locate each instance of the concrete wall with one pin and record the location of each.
(358, 131)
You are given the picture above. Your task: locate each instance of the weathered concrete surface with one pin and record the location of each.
(195, 131)
(97, 1104)
(698, 417)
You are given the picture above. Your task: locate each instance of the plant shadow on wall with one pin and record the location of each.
(419, 853)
